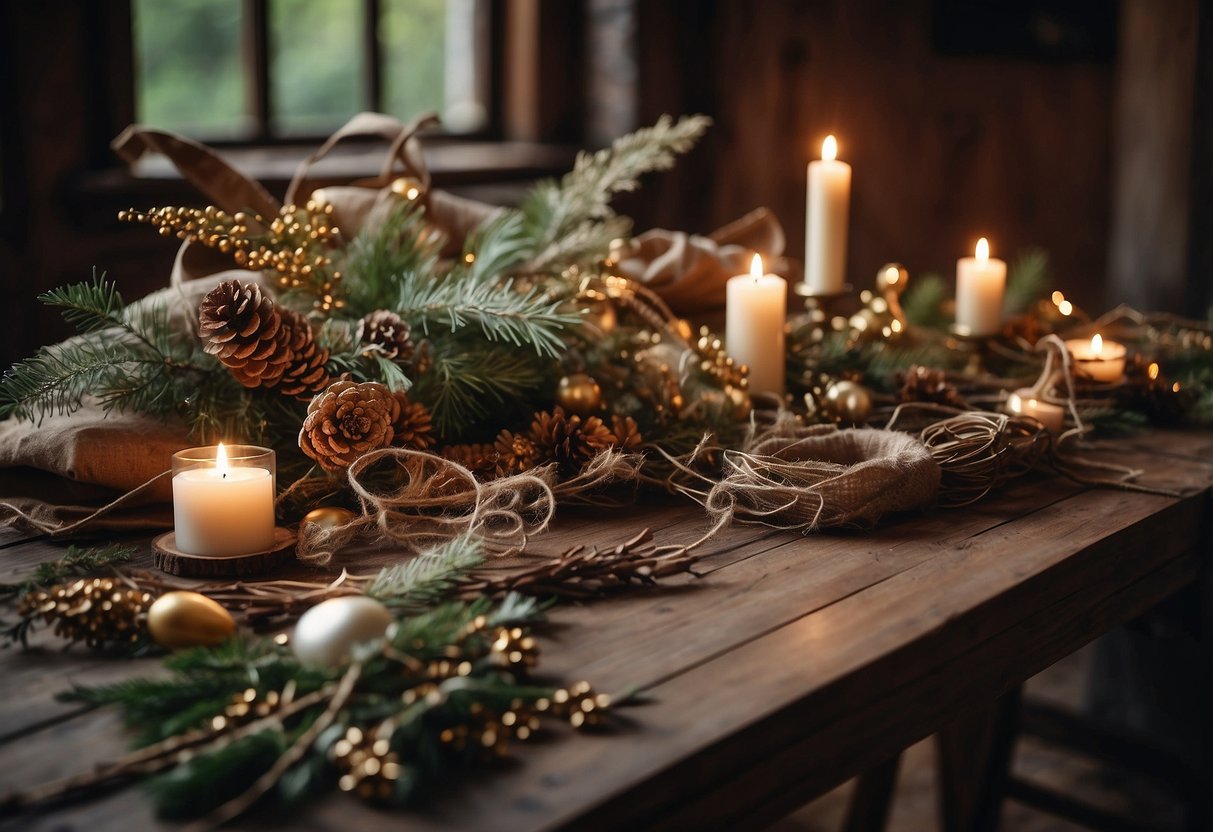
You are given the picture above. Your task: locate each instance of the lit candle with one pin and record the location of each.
(1023, 402)
(980, 282)
(224, 510)
(757, 307)
(827, 203)
(1097, 359)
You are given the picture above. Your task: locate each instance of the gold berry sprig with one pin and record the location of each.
(295, 245)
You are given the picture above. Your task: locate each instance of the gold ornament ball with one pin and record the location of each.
(601, 316)
(892, 276)
(579, 394)
(329, 517)
(848, 401)
(187, 619)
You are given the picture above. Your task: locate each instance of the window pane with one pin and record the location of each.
(316, 64)
(431, 60)
(189, 70)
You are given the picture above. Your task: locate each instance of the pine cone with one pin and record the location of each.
(305, 374)
(569, 441)
(387, 331)
(627, 435)
(241, 327)
(412, 425)
(515, 453)
(480, 459)
(423, 358)
(348, 420)
(95, 611)
(923, 384)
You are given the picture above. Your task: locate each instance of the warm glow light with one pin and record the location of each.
(982, 251)
(756, 267)
(829, 149)
(221, 460)
(1058, 297)
(1152, 371)
(1097, 344)
(1175, 387)
(1065, 307)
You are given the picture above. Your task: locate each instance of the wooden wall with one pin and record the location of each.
(944, 149)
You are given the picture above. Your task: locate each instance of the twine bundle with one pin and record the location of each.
(434, 499)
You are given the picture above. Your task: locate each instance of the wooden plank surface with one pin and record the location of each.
(791, 664)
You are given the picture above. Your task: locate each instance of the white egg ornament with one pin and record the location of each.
(327, 632)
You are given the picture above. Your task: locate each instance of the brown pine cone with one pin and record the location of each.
(348, 420)
(423, 358)
(412, 425)
(569, 441)
(923, 384)
(387, 331)
(627, 435)
(480, 459)
(515, 453)
(305, 374)
(241, 327)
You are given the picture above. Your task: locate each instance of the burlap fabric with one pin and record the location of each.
(829, 477)
(63, 468)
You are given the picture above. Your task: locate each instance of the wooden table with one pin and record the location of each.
(792, 664)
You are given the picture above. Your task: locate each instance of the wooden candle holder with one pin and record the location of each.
(168, 558)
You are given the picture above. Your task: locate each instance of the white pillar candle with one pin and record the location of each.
(1098, 359)
(980, 283)
(827, 205)
(757, 308)
(223, 511)
(1023, 402)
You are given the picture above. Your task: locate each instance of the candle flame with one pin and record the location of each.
(829, 148)
(982, 251)
(1097, 344)
(221, 460)
(756, 267)
(1152, 372)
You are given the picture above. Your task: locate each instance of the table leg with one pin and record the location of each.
(974, 757)
(873, 797)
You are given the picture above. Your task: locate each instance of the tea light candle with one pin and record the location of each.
(754, 320)
(827, 204)
(1023, 402)
(223, 511)
(1097, 359)
(980, 283)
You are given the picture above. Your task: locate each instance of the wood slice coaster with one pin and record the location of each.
(167, 557)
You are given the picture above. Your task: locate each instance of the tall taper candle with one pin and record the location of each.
(754, 320)
(827, 205)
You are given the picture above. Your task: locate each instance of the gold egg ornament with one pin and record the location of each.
(848, 401)
(188, 619)
(579, 394)
(329, 517)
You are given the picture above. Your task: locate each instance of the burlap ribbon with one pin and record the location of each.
(115, 454)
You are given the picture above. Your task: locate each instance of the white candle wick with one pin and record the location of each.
(829, 148)
(756, 268)
(982, 252)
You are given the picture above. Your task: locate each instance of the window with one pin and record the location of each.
(267, 70)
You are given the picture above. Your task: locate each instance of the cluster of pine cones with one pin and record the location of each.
(266, 345)
(568, 441)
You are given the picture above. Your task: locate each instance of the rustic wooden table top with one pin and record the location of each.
(790, 665)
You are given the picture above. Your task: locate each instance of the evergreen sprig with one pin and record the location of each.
(573, 218)
(381, 257)
(77, 562)
(430, 577)
(471, 380)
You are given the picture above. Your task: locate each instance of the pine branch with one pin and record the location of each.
(380, 258)
(77, 562)
(1027, 281)
(553, 211)
(923, 302)
(428, 578)
(470, 381)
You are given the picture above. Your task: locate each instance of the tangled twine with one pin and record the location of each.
(434, 499)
